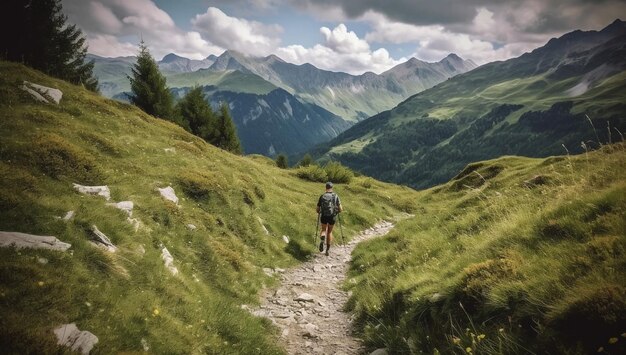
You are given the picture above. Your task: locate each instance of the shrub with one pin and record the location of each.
(56, 157)
(306, 160)
(312, 173)
(338, 173)
(281, 161)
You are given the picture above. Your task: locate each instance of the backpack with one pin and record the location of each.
(328, 204)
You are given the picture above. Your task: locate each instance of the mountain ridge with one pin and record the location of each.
(478, 114)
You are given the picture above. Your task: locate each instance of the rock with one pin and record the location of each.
(102, 240)
(42, 93)
(381, 351)
(435, 297)
(285, 333)
(144, 344)
(94, 190)
(126, 206)
(308, 344)
(191, 227)
(310, 330)
(263, 226)
(169, 194)
(168, 259)
(42, 261)
(23, 240)
(282, 315)
(305, 297)
(268, 271)
(286, 239)
(136, 223)
(170, 150)
(69, 215)
(69, 335)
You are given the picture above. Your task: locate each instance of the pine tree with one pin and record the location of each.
(197, 116)
(226, 132)
(44, 41)
(281, 161)
(148, 87)
(306, 160)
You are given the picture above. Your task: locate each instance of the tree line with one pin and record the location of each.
(44, 41)
(149, 92)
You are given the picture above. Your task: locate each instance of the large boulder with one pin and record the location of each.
(42, 93)
(101, 240)
(169, 194)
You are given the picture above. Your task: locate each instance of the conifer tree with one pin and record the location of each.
(197, 116)
(281, 161)
(226, 132)
(36, 33)
(148, 87)
(306, 160)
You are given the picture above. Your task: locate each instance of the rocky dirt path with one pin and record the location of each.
(307, 307)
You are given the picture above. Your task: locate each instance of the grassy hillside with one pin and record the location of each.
(513, 255)
(530, 106)
(128, 298)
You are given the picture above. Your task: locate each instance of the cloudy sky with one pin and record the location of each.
(354, 36)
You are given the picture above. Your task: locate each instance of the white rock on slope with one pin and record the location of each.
(23, 240)
(168, 259)
(69, 335)
(169, 194)
(101, 240)
(126, 206)
(94, 190)
(54, 94)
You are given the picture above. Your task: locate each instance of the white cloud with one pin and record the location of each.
(342, 50)
(434, 42)
(245, 36)
(114, 27)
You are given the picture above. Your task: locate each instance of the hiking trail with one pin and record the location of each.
(308, 305)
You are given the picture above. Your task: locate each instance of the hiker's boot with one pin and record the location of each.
(321, 246)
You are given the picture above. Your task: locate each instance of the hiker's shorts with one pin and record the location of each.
(328, 220)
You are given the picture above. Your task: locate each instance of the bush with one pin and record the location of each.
(306, 160)
(338, 173)
(281, 161)
(312, 173)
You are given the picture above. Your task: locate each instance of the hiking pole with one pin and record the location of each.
(341, 228)
(317, 226)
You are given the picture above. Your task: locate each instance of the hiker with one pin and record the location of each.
(328, 206)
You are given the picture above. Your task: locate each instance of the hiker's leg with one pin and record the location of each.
(324, 233)
(329, 236)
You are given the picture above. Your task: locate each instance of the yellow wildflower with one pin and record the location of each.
(456, 340)
(40, 283)
(468, 350)
(481, 336)
(501, 330)
(613, 340)
(155, 312)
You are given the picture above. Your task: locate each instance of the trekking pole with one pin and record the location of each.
(317, 226)
(341, 228)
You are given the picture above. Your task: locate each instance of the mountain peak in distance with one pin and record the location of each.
(168, 58)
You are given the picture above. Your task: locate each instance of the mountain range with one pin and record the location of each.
(568, 96)
(330, 101)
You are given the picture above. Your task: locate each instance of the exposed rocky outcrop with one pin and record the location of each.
(168, 260)
(23, 240)
(169, 194)
(94, 190)
(42, 93)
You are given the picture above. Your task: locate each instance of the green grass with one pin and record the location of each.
(530, 253)
(128, 296)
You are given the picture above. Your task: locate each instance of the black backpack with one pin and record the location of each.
(328, 204)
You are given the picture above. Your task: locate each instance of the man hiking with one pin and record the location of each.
(328, 206)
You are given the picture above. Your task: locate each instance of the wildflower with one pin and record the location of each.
(600, 349)
(501, 330)
(481, 336)
(613, 340)
(155, 312)
(40, 283)
(468, 350)
(456, 340)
